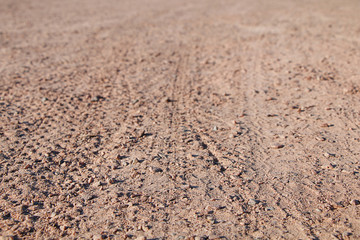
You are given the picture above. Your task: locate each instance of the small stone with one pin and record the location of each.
(318, 210)
(44, 99)
(197, 238)
(320, 139)
(169, 100)
(332, 165)
(354, 202)
(326, 154)
(128, 236)
(97, 237)
(28, 166)
(215, 128)
(120, 157)
(185, 186)
(210, 219)
(90, 180)
(346, 234)
(141, 238)
(98, 184)
(253, 202)
(277, 146)
(234, 177)
(155, 169)
(270, 99)
(97, 98)
(88, 197)
(111, 180)
(63, 227)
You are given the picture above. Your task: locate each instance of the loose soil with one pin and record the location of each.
(178, 120)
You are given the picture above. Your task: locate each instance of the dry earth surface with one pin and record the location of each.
(179, 119)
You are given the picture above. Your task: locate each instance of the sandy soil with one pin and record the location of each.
(179, 119)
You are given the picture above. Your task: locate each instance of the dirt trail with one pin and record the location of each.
(175, 119)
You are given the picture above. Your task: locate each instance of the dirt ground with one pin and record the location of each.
(164, 119)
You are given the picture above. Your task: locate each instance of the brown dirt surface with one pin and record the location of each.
(164, 119)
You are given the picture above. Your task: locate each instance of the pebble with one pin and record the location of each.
(270, 99)
(318, 210)
(97, 237)
(155, 169)
(211, 219)
(169, 100)
(141, 133)
(111, 180)
(320, 139)
(215, 128)
(234, 176)
(354, 202)
(141, 238)
(346, 234)
(329, 155)
(90, 180)
(269, 208)
(277, 146)
(63, 227)
(88, 197)
(253, 202)
(185, 186)
(97, 98)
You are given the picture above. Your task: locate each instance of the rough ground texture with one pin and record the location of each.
(175, 119)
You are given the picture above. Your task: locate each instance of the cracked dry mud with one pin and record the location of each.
(179, 119)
